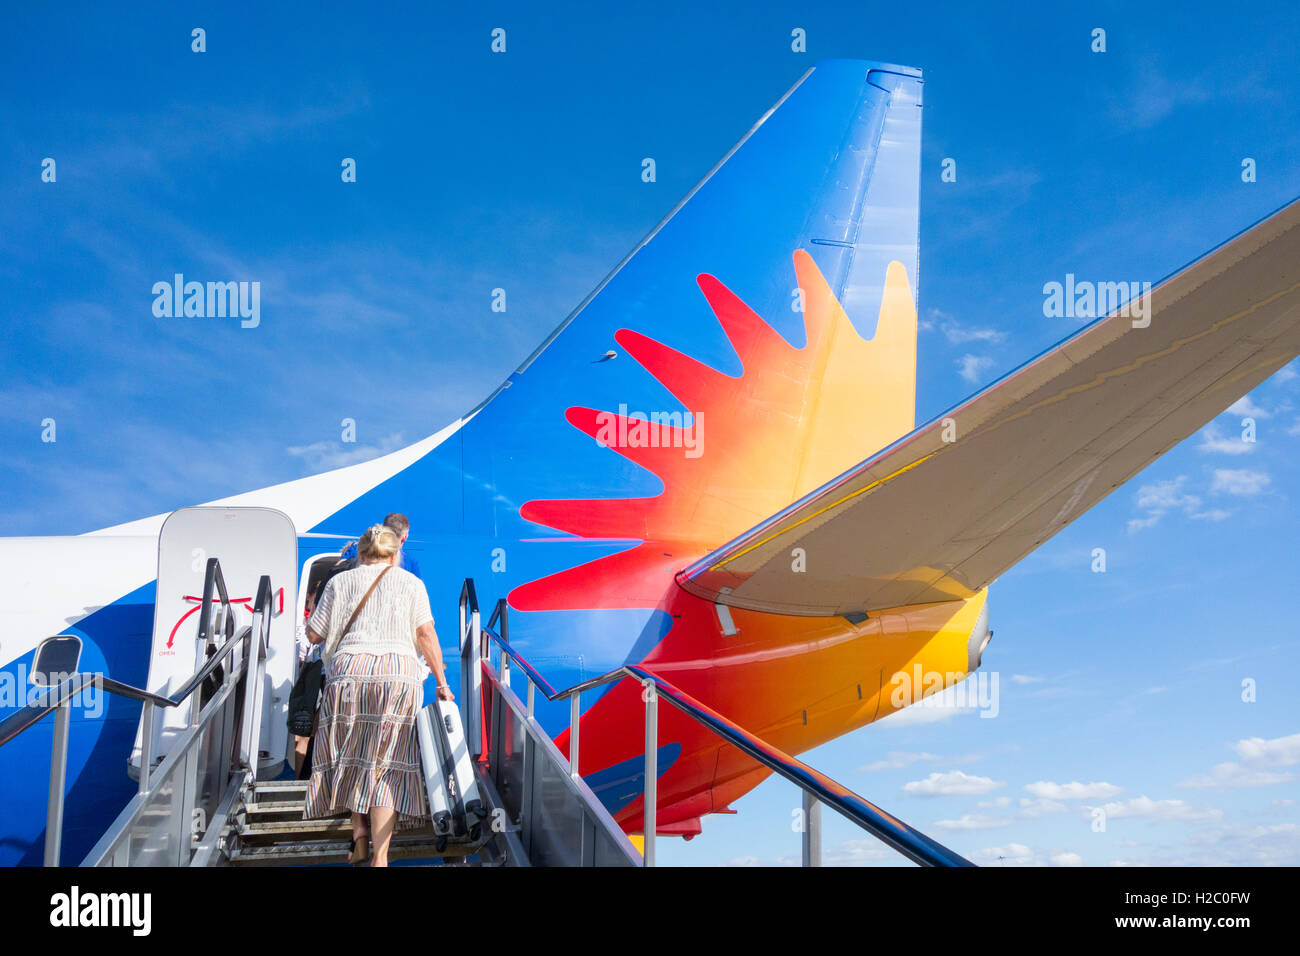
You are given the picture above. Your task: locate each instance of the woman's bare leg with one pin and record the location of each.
(382, 821)
(360, 831)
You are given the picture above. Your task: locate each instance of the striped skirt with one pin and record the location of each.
(366, 752)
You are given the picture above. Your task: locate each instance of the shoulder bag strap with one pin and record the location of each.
(362, 603)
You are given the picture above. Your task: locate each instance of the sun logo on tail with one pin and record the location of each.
(794, 418)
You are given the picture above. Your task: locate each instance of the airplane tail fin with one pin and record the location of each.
(751, 348)
(758, 342)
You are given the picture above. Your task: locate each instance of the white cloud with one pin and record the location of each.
(1073, 790)
(974, 821)
(1014, 853)
(1233, 776)
(1144, 808)
(1161, 497)
(1259, 759)
(972, 367)
(1165, 495)
(1025, 679)
(952, 783)
(867, 851)
(1239, 481)
(1239, 844)
(1245, 408)
(959, 334)
(1214, 441)
(1029, 809)
(1277, 752)
(1017, 854)
(324, 455)
(897, 759)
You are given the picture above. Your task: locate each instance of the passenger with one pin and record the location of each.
(401, 525)
(346, 562)
(307, 653)
(374, 621)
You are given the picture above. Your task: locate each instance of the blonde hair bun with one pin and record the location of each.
(379, 542)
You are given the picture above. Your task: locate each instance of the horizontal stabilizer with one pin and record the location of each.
(945, 510)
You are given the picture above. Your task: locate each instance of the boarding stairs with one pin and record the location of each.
(211, 793)
(269, 830)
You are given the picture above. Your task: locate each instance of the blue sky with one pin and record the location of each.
(478, 170)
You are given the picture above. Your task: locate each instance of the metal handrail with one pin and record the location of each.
(213, 578)
(542, 799)
(500, 613)
(56, 699)
(239, 765)
(887, 828)
(16, 723)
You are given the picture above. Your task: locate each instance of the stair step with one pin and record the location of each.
(290, 830)
(323, 852)
(277, 791)
(273, 811)
(259, 830)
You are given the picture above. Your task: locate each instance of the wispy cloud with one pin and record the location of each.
(1145, 808)
(952, 783)
(1151, 96)
(1260, 759)
(959, 334)
(1162, 497)
(897, 760)
(324, 455)
(1214, 441)
(1018, 854)
(972, 367)
(1072, 791)
(975, 821)
(1239, 481)
(1244, 407)
(865, 852)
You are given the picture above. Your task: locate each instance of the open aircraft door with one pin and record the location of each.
(248, 543)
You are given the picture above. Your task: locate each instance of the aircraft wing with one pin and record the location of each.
(945, 510)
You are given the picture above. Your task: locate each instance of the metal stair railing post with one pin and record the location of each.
(651, 809)
(471, 652)
(58, 780)
(255, 654)
(575, 724)
(812, 830)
